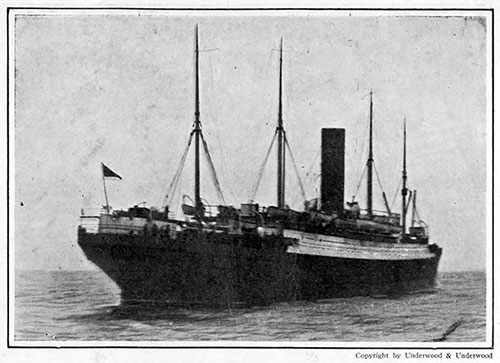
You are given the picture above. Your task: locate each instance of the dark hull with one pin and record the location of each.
(228, 270)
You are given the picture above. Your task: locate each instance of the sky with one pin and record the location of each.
(118, 88)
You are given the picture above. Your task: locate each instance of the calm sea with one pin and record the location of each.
(86, 306)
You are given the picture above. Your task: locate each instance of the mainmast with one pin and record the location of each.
(404, 191)
(369, 194)
(281, 135)
(199, 141)
(197, 132)
(283, 145)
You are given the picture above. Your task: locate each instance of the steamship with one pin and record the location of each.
(255, 255)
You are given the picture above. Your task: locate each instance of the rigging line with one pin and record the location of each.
(396, 194)
(174, 190)
(169, 198)
(360, 156)
(209, 50)
(310, 178)
(212, 170)
(178, 172)
(175, 181)
(360, 180)
(262, 168)
(295, 167)
(378, 177)
(312, 165)
(179, 197)
(362, 150)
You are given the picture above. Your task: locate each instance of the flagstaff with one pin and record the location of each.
(107, 173)
(105, 192)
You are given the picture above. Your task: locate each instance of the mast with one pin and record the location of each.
(404, 191)
(414, 210)
(197, 132)
(280, 131)
(369, 194)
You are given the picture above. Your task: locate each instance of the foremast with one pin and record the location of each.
(198, 210)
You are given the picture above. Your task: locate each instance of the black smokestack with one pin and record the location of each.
(332, 169)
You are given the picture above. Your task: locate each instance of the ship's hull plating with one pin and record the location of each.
(227, 270)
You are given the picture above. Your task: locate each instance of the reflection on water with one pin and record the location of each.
(86, 306)
(148, 313)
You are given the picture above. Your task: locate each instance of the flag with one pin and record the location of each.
(108, 173)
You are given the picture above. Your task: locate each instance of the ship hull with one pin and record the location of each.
(227, 270)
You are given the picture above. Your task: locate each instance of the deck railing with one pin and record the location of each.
(89, 219)
(382, 216)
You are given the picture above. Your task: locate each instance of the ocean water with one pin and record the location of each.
(85, 306)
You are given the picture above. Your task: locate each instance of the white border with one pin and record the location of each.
(212, 13)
